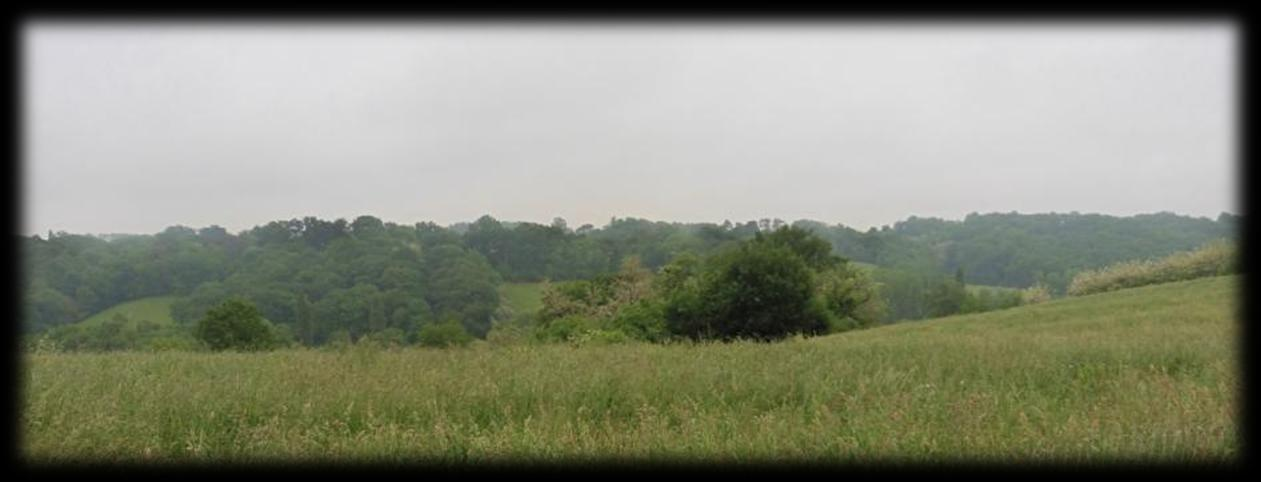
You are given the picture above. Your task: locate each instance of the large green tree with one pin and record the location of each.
(235, 325)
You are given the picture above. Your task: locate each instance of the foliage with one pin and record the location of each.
(852, 296)
(947, 298)
(1038, 293)
(1212, 259)
(757, 290)
(388, 338)
(444, 334)
(364, 275)
(616, 302)
(235, 325)
(767, 287)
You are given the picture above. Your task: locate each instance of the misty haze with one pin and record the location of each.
(471, 242)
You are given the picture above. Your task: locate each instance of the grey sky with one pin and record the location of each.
(135, 127)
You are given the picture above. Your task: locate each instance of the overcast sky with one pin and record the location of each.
(136, 127)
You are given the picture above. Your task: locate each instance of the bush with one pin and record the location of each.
(283, 335)
(388, 338)
(234, 325)
(620, 302)
(444, 334)
(760, 291)
(851, 296)
(566, 328)
(643, 320)
(1213, 259)
(1035, 294)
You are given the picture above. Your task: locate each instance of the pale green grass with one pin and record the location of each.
(1134, 375)
(522, 297)
(156, 309)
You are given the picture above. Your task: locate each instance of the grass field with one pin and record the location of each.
(156, 309)
(522, 297)
(1134, 375)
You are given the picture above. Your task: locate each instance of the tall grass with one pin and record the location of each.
(1144, 374)
(1213, 259)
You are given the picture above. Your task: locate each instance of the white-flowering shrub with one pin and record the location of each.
(1035, 294)
(1213, 259)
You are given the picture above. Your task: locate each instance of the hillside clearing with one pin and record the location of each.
(156, 309)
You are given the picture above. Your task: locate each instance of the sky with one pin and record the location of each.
(134, 127)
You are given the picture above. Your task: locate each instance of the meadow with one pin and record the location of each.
(156, 309)
(1143, 374)
(525, 297)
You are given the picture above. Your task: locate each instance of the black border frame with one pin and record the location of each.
(969, 14)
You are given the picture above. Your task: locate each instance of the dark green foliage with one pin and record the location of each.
(46, 308)
(947, 298)
(444, 334)
(813, 250)
(461, 284)
(235, 325)
(757, 290)
(415, 274)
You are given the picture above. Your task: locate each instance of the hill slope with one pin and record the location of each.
(1134, 375)
(156, 309)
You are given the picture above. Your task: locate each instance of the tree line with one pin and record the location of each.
(326, 280)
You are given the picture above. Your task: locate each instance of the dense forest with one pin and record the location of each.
(321, 279)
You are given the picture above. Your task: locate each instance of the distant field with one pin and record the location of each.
(522, 297)
(156, 309)
(1134, 375)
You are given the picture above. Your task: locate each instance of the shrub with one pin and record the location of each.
(283, 335)
(1035, 294)
(756, 290)
(851, 296)
(565, 328)
(643, 320)
(447, 333)
(618, 302)
(391, 337)
(1212, 259)
(234, 325)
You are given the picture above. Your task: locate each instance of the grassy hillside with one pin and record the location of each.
(522, 297)
(156, 309)
(1135, 375)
